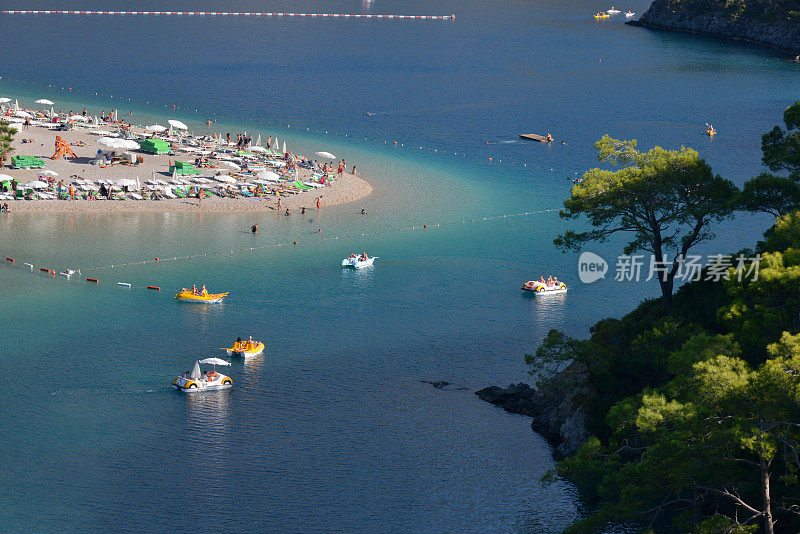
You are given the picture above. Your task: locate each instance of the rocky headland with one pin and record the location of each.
(772, 23)
(555, 406)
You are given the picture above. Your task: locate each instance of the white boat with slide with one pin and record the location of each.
(357, 262)
(543, 288)
(613, 11)
(197, 381)
(629, 14)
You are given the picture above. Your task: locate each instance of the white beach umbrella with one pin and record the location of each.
(5, 100)
(225, 178)
(257, 149)
(268, 176)
(117, 144)
(115, 116)
(78, 118)
(230, 165)
(177, 124)
(284, 147)
(126, 182)
(276, 143)
(156, 128)
(4, 177)
(23, 114)
(258, 141)
(16, 104)
(326, 155)
(44, 101)
(36, 184)
(48, 172)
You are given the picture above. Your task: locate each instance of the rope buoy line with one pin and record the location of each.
(436, 150)
(68, 273)
(243, 14)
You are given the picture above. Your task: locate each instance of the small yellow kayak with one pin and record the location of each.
(246, 349)
(206, 298)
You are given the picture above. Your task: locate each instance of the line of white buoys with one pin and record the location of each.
(225, 13)
(69, 272)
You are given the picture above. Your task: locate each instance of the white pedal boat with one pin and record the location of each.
(544, 289)
(357, 263)
(613, 11)
(197, 381)
(629, 14)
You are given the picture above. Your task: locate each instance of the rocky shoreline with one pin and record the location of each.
(671, 15)
(555, 407)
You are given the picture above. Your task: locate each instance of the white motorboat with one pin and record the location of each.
(613, 11)
(198, 381)
(357, 262)
(544, 288)
(629, 14)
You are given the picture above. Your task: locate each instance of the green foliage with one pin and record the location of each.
(759, 311)
(6, 138)
(783, 235)
(781, 148)
(665, 199)
(770, 194)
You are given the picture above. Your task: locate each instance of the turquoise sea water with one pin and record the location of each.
(334, 428)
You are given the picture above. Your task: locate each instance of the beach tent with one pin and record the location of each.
(154, 146)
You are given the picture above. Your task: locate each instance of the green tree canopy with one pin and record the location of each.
(770, 194)
(666, 199)
(6, 138)
(781, 148)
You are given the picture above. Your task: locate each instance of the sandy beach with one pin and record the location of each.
(347, 188)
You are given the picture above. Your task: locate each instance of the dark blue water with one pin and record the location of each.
(334, 428)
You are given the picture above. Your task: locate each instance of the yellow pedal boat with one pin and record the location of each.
(247, 349)
(601, 15)
(206, 298)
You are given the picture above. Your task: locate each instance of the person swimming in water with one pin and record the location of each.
(254, 228)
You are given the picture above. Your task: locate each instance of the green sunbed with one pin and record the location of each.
(303, 187)
(154, 146)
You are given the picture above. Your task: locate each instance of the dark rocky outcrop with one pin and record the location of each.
(752, 22)
(555, 408)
